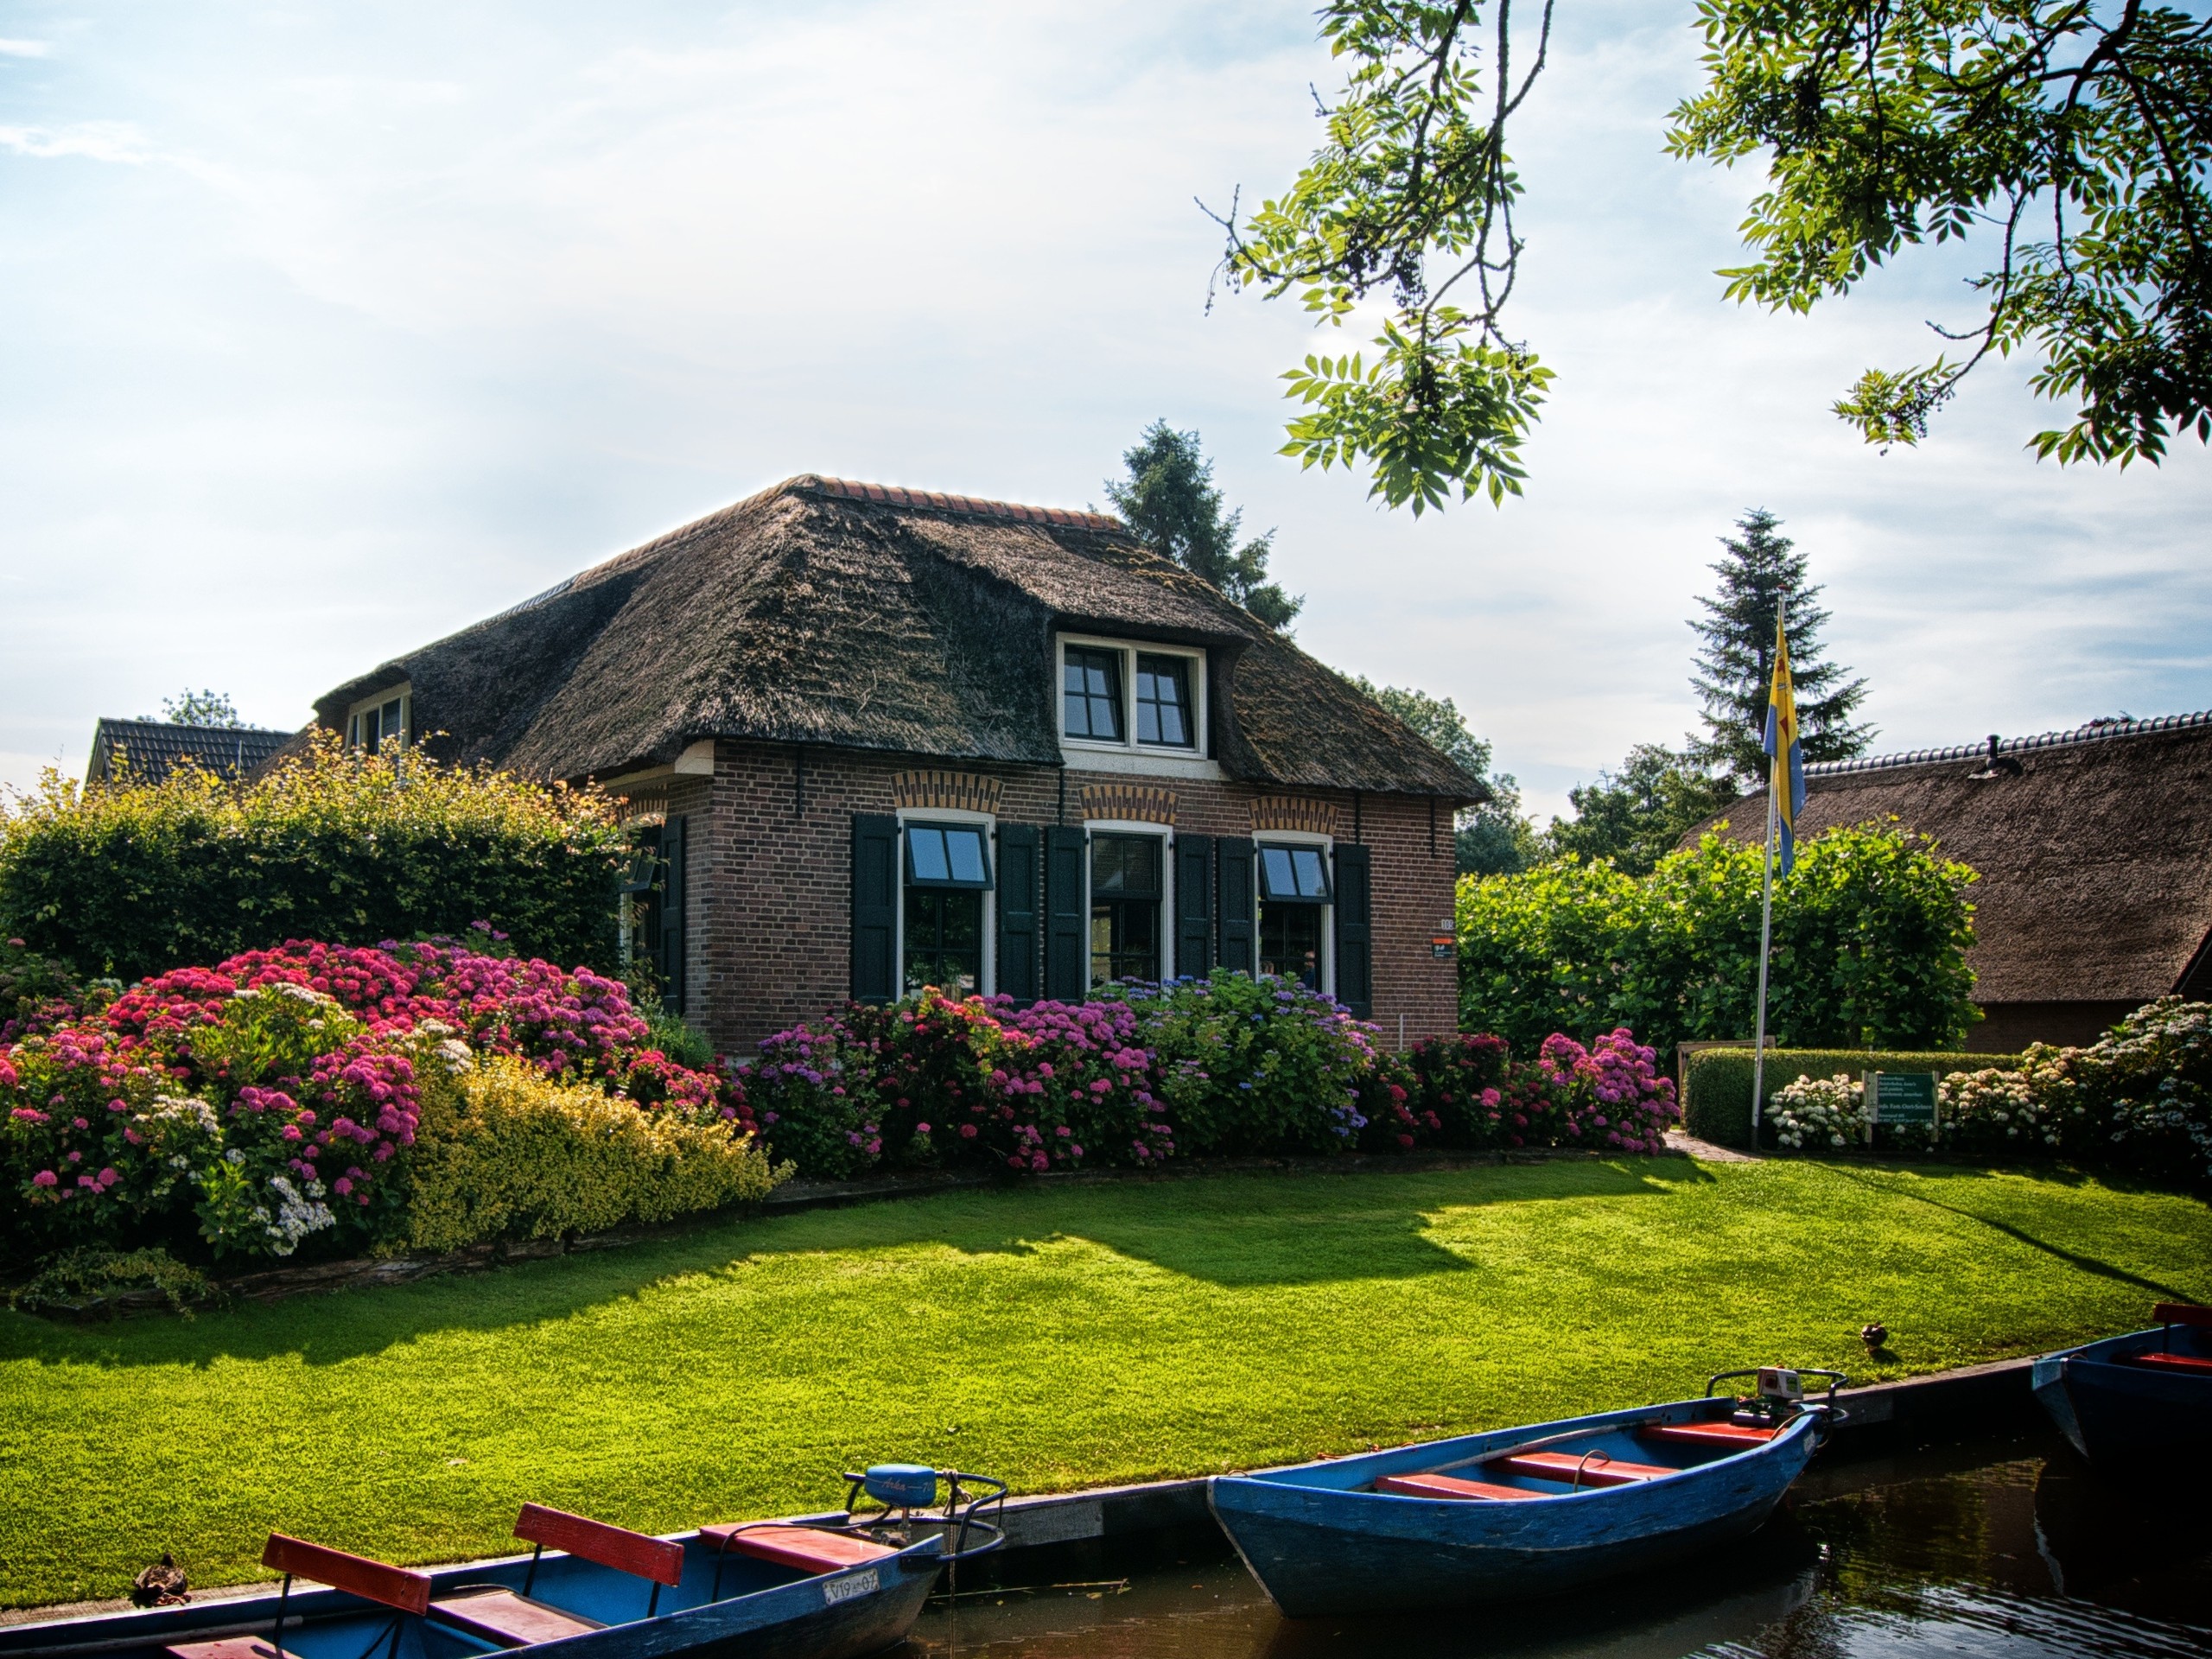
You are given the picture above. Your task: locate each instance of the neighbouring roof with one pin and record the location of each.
(155, 748)
(2094, 847)
(854, 615)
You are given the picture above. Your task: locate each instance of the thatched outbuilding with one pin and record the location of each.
(795, 685)
(2094, 849)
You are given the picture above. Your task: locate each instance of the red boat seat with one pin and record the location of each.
(395, 1586)
(1566, 1467)
(1449, 1486)
(2182, 1313)
(808, 1548)
(1734, 1437)
(2192, 1363)
(513, 1621)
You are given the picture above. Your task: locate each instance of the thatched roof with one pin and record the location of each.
(852, 615)
(151, 749)
(2095, 848)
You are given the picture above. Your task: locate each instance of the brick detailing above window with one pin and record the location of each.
(1130, 803)
(962, 791)
(1294, 812)
(645, 803)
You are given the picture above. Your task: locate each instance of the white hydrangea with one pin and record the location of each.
(297, 1215)
(1827, 1111)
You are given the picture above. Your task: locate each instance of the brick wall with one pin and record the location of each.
(768, 927)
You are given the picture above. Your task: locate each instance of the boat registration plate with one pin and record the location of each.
(857, 1584)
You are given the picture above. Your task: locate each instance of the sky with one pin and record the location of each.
(332, 330)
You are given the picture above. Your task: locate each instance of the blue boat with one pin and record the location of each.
(1527, 1511)
(759, 1590)
(2138, 1405)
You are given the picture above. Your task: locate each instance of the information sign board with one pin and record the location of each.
(1899, 1097)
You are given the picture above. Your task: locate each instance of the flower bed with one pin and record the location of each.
(277, 1097)
(1233, 1064)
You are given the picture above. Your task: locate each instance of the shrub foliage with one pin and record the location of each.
(1233, 1064)
(137, 878)
(313, 1095)
(1871, 933)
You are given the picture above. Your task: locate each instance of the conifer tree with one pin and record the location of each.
(1169, 502)
(1736, 661)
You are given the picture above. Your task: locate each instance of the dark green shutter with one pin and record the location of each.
(1233, 903)
(672, 906)
(876, 907)
(1193, 906)
(1019, 884)
(1356, 931)
(1067, 962)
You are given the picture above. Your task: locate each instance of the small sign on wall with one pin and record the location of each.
(1442, 943)
(1899, 1098)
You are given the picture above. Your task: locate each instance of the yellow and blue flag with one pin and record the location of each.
(1786, 757)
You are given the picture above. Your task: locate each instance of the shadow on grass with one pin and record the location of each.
(2088, 1264)
(1235, 1231)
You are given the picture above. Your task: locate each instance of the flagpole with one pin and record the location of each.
(1777, 768)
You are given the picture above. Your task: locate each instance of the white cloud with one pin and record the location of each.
(24, 48)
(100, 141)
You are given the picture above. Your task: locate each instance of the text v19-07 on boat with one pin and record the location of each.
(2138, 1407)
(829, 1589)
(1527, 1511)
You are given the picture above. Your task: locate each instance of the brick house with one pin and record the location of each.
(881, 738)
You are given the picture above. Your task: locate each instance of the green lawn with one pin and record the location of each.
(1058, 1337)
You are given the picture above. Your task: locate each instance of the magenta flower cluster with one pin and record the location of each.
(289, 1077)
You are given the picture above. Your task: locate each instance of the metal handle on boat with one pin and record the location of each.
(962, 1493)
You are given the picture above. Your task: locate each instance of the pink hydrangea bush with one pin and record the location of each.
(277, 1096)
(1609, 1096)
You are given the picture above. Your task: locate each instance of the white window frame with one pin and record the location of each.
(1328, 845)
(986, 981)
(1152, 754)
(1165, 835)
(405, 692)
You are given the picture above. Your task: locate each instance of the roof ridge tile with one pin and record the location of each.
(2090, 732)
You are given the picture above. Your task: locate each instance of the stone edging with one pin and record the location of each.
(277, 1284)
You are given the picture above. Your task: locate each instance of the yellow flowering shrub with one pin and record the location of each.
(502, 1152)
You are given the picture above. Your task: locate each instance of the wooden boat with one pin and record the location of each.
(1523, 1511)
(759, 1590)
(2138, 1405)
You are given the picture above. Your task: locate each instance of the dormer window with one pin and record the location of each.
(1131, 697)
(1090, 684)
(1164, 700)
(383, 718)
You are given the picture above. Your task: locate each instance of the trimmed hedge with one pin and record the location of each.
(133, 880)
(1716, 1083)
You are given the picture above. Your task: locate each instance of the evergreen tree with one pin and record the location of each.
(1169, 502)
(1736, 661)
(1494, 838)
(1636, 816)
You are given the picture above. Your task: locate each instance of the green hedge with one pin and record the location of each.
(1871, 933)
(136, 878)
(1716, 1083)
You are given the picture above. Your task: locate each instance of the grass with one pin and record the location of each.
(1059, 1338)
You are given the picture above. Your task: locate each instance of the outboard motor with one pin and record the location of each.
(908, 1493)
(1780, 1396)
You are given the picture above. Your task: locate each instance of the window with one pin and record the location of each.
(1163, 700)
(1294, 911)
(1297, 875)
(947, 871)
(369, 727)
(1149, 702)
(947, 855)
(1125, 895)
(944, 940)
(1290, 942)
(1092, 694)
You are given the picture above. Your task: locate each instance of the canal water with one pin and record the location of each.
(2010, 1547)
